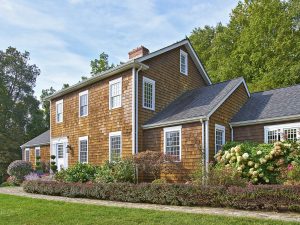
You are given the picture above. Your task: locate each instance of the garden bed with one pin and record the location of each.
(259, 197)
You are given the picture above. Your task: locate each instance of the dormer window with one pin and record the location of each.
(183, 62)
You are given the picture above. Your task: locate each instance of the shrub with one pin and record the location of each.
(61, 175)
(32, 176)
(259, 163)
(53, 165)
(219, 175)
(120, 171)
(159, 181)
(153, 164)
(258, 197)
(19, 169)
(81, 172)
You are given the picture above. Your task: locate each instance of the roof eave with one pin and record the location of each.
(173, 123)
(98, 77)
(34, 145)
(267, 120)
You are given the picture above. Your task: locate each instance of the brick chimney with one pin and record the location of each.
(138, 52)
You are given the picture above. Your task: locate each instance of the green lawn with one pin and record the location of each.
(21, 210)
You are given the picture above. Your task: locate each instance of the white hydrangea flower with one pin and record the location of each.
(245, 156)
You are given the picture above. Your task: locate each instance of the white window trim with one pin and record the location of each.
(27, 150)
(168, 129)
(222, 128)
(35, 149)
(85, 138)
(148, 80)
(62, 112)
(87, 111)
(186, 62)
(280, 127)
(118, 80)
(112, 134)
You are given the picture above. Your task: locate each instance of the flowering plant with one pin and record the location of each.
(260, 163)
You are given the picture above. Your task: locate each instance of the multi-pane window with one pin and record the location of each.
(60, 150)
(83, 103)
(172, 142)
(83, 149)
(281, 132)
(59, 111)
(273, 136)
(37, 152)
(115, 146)
(290, 134)
(183, 62)
(115, 93)
(219, 137)
(148, 93)
(27, 156)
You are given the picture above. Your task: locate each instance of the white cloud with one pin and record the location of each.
(63, 36)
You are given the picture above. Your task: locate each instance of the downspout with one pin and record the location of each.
(203, 149)
(133, 110)
(231, 129)
(136, 110)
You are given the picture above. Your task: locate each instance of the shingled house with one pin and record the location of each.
(162, 101)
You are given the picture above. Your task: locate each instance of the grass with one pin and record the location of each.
(22, 210)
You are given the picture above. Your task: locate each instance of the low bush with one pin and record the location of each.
(259, 197)
(19, 169)
(81, 172)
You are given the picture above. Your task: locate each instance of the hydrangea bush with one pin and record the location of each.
(260, 163)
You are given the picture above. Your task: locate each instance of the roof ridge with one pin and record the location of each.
(294, 85)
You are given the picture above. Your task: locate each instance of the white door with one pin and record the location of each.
(60, 154)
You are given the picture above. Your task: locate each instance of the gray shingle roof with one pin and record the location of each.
(42, 139)
(195, 103)
(271, 104)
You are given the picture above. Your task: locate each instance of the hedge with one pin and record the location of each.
(259, 197)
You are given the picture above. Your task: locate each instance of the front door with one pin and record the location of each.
(60, 154)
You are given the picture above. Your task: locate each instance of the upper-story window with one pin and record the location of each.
(115, 93)
(172, 142)
(148, 93)
(183, 62)
(59, 111)
(83, 103)
(288, 132)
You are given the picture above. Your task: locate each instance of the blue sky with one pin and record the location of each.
(62, 36)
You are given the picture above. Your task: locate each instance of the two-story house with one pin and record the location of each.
(160, 101)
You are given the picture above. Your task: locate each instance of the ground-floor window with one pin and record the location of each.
(27, 154)
(83, 149)
(115, 146)
(219, 137)
(172, 142)
(289, 132)
(60, 150)
(37, 152)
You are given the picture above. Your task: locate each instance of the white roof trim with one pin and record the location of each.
(171, 123)
(128, 65)
(191, 51)
(227, 96)
(267, 120)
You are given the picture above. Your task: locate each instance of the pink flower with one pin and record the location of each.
(290, 167)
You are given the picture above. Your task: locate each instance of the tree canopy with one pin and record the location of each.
(21, 119)
(261, 42)
(101, 64)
